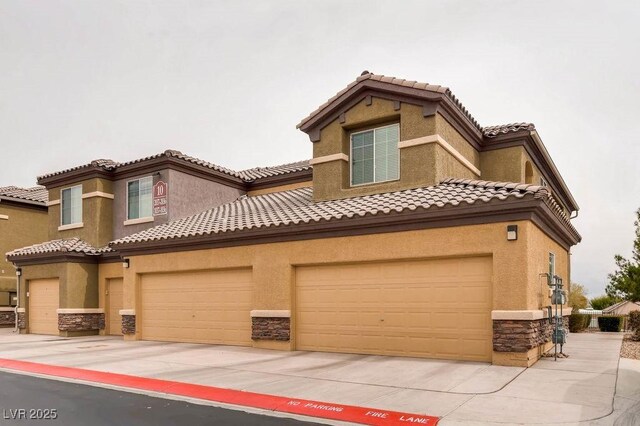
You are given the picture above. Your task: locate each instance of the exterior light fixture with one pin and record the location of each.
(125, 263)
(512, 232)
(18, 272)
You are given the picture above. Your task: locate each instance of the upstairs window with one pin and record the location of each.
(71, 205)
(375, 156)
(139, 198)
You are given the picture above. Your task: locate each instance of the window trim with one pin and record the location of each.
(71, 225)
(126, 212)
(372, 129)
(551, 266)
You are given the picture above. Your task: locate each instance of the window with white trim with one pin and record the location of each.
(139, 198)
(71, 205)
(375, 156)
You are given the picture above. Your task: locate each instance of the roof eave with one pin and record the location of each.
(52, 257)
(320, 118)
(531, 140)
(14, 200)
(533, 209)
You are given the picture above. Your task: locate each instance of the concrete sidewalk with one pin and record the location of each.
(578, 389)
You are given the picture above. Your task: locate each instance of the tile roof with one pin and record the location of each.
(366, 75)
(493, 131)
(179, 155)
(67, 245)
(297, 207)
(489, 131)
(262, 172)
(248, 175)
(617, 305)
(104, 164)
(37, 193)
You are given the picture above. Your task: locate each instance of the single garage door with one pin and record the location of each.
(44, 300)
(198, 307)
(115, 305)
(432, 308)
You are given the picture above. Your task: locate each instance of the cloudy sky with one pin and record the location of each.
(228, 82)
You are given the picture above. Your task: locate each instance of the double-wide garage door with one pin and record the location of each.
(198, 307)
(44, 300)
(433, 308)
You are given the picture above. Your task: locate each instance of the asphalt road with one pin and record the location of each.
(26, 400)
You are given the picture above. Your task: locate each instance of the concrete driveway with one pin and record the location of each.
(580, 388)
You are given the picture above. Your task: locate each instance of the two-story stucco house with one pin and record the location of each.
(23, 220)
(420, 234)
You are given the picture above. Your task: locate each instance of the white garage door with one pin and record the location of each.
(198, 307)
(432, 308)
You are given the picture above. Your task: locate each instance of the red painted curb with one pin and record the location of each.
(348, 413)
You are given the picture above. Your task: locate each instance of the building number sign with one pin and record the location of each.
(160, 199)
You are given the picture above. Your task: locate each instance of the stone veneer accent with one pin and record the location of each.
(22, 320)
(265, 328)
(522, 335)
(80, 322)
(7, 319)
(128, 324)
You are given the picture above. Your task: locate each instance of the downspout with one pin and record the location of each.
(18, 275)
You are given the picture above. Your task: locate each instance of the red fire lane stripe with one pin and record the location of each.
(348, 413)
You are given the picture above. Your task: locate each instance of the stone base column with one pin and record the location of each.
(128, 324)
(521, 337)
(22, 320)
(80, 322)
(7, 317)
(274, 325)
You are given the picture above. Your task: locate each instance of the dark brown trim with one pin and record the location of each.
(24, 204)
(48, 258)
(73, 176)
(111, 257)
(462, 122)
(429, 107)
(540, 158)
(531, 209)
(162, 163)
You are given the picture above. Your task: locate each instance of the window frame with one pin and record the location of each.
(62, 206)
(371, 129)
(126, 212)
(551, 264)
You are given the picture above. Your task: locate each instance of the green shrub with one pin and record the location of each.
(610, 323)
(634, 320)
(634, 324)
(578, 322)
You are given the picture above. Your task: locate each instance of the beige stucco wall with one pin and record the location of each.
(97, 213)
(420, 165)
(107, 271)
(515, 286)
(24, 227)
(507, 165)
(78, 283)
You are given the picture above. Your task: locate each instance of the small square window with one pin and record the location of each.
(71, 205)
(375, 156)
(139, 198)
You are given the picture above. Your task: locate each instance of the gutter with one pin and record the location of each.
(22, 201)
(18, 275)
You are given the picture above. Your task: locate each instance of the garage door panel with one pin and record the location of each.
(44, 300)
(435, 308)
(116, 294)
(198, 307)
